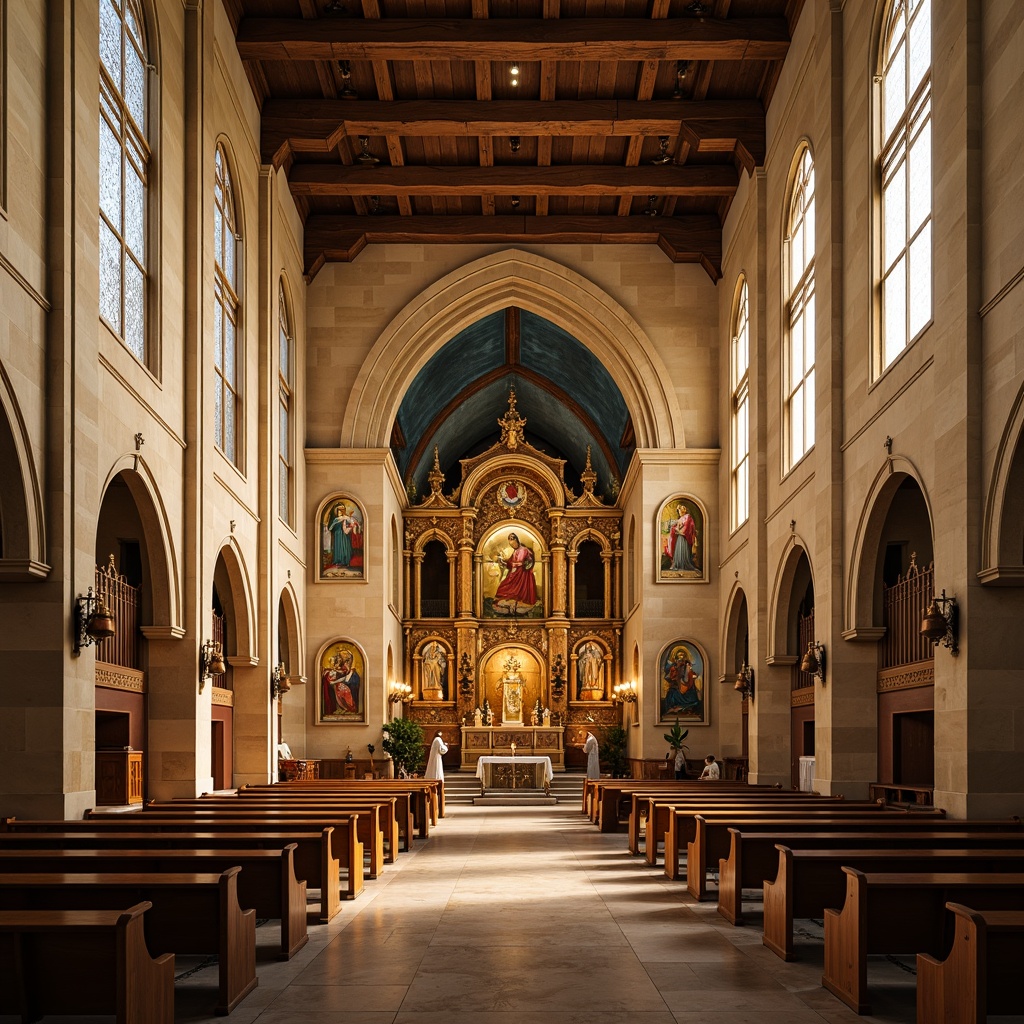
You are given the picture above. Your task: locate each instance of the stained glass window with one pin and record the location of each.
(284, 389)
(799, 375)
(226, 308)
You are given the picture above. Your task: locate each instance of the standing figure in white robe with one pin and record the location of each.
(593, 764)
(435, 767)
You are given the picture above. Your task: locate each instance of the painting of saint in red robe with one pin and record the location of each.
(682, 556)
(510, 570)
(341, 684)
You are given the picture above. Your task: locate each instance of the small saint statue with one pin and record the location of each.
(478, 717)
(547, 717)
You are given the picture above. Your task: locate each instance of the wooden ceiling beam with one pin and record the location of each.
(563, 180)
(504, 39)
(693, 239)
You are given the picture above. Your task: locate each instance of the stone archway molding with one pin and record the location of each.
(243, 619)
(1000, 564)
(513, 278)
(860, 603)
(778, 607)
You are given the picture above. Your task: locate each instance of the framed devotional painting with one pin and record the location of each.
(341, 526)
(341, 679)
(682, 675)
(682, 555)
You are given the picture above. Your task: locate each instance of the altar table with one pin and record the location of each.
(514, 772)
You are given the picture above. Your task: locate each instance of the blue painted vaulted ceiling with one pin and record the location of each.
(568, 398)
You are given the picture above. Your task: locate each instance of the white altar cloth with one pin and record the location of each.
(526, 759)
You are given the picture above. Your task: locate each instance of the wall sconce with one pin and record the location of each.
(744, 684)
(941, 621)
(813, 662)
(93, 622)
(279, 681)
(400, 693)
(211, 662)
(624, 693)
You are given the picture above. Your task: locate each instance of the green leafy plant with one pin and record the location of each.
(675, 738)
(403, 742)
(614, 750)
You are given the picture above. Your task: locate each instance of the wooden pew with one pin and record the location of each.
(809, 881)
(902, 913)
(315, 862)
(753, 858)
(83, 961)
(593, 787)
(683, 820)
(267, 883)
(346, 848)
(980, 976)
(608, 795)
(190, 913)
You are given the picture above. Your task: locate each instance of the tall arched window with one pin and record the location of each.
(905, 173)
(799, 371)
(226, 309)
(124, 169)
(740, 408)
(284, 391)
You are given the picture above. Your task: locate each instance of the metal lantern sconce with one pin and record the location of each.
(744, 684)
(624, 693)
(813, 662)
(211, 662)
(93, 622)
(941, 623)
(279, 681)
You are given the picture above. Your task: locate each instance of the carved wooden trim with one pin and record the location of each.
(114, 677)
(906, 677)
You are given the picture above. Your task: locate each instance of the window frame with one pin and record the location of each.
(894, 150)
(132, 149)
(799, 311)
(286, 423)
(740, 405)
(227, 300)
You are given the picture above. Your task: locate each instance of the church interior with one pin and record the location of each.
(523, 370)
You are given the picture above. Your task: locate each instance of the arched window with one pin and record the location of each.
(799, 371)
(226, 309)
(740, 409)
(284, 392)
(124, 171)
(905, 175)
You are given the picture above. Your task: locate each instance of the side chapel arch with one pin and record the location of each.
(779, 617)
(513, 278)
(241, 619)
(1002, 542)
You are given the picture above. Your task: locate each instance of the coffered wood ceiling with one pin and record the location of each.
(398, 120)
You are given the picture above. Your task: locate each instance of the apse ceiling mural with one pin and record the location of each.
(568, 398)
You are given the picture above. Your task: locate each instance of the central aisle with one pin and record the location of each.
(530, 915)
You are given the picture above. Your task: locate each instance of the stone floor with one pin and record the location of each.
(529, 915)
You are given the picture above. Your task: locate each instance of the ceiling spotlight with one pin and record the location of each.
(515, 202)
(682, 69)
(514, 71)
(514, 142)
(698, 8)
(663, 157)
(650, 210)
(365, 156)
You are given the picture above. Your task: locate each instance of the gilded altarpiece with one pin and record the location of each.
(511, 530)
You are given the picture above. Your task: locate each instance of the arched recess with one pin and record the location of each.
(735, 652)
(781, 632)
(1003, 527)
(513, 278)
(161, 561)
(290, 644)
(863, 606)
(22, 517)
(590, 576)
(234, 586)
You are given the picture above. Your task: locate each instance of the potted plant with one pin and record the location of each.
(614, 750)
(674, 739)
(403, 742)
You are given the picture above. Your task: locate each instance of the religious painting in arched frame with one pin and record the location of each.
(434, 663)
(341, 684)
(682, 684)
(682, 555)
(341, 534)
(512, 584)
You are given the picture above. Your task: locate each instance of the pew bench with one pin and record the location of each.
(980, 976)
(902, 913)
(315, 862)
(83, 962)
(754, 859)
(808, 882)
(267, 883)
(609, 797)
(190, 913)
